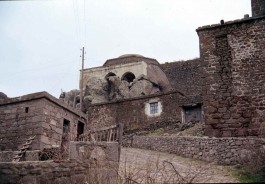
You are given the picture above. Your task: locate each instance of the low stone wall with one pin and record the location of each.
(228, 151)
(7, 156)
(88, 163)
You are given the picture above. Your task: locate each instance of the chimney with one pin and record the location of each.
(258, 8)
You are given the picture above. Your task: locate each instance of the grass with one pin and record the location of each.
(250, 177)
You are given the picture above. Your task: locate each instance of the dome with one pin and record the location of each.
(130, 58)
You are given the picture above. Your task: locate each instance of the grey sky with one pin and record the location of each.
(40, 41)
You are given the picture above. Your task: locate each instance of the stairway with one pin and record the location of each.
(23, 150)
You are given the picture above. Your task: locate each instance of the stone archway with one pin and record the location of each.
(128, 76)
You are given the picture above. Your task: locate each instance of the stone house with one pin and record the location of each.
(52, 122)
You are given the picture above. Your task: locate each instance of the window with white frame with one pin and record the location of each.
(154, 108)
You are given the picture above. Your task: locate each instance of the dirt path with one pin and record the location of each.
(145, 166)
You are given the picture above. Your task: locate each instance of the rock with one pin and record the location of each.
(124, 89)
(143, 86)
(113, 88)
(97, 89)
(3, 96)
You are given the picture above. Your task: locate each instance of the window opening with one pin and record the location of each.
(66, 126)
(110, 75)
(26, 109)
(129, 77)
(154, 108)
(80, 128)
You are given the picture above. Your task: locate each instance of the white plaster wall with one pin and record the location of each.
(137, 68)
(147, 107)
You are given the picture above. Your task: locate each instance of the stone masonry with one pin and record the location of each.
(88, 163)
(40, 115)
(233, 65)
(230, 151)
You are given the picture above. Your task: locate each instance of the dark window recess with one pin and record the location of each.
(109, 75)
(192, 114)
(129, 77)
(154, 108)
(26, 109)
(80, 128)
(66, 126)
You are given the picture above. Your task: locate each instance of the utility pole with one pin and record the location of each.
(82, 79)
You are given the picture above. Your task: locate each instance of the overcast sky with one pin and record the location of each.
(40, 41)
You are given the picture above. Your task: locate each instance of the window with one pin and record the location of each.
(66, 126)
(128, 76)
(80, 128)
(154, 108)
(26, 109)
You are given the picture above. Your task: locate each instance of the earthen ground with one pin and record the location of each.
(142, 164)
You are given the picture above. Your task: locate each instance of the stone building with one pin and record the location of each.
(233, 58)
(224, 88)
(52, 122)
(46, 133)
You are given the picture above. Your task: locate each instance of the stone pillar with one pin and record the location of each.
(258, 8)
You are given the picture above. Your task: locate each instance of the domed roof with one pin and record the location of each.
(130, 58)
(130, 55)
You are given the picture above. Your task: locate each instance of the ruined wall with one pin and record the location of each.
(234, 94)
(133, 113)
(89, 163)
(185, 76)
(39, 115)
(229, 151)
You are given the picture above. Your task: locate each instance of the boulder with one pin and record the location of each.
(96, 90)
(3, 96)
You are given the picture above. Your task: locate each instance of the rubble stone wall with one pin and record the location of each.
(258, 7)
(233, 65)
(89, 163)
(185, 76)
(132, 114)
(228, 151)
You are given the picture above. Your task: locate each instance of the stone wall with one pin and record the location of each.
(7, 156)
(233, 67)
(52, 126)
(17, 125)
(133, 113)
(219, 150)
(39, 115)
(185, 76)
(258, 7)
(89, 163)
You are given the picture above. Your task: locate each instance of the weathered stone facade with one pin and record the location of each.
(233, 93)
(185, 76)
(258, 7)
(135, 115)
(228, 151)
(40, 115)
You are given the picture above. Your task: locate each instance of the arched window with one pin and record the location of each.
(109, 75)
(128, 76)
